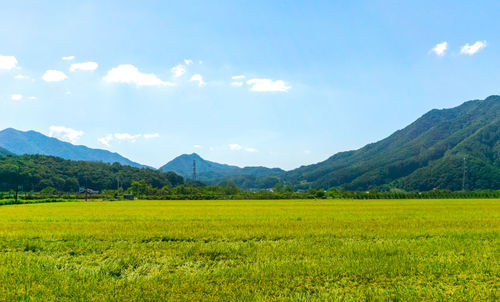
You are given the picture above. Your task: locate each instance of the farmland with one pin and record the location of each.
(251, 250)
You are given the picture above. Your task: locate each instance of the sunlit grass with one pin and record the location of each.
(251, 250)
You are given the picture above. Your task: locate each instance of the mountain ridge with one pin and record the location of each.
(389, 162)
(213, 172)
(33, 142)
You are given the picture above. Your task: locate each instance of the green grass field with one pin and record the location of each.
(406, 250)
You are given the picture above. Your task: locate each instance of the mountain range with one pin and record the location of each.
(212, 172)
(457, 148)
(32, 142)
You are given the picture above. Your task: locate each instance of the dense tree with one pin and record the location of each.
(37, 172)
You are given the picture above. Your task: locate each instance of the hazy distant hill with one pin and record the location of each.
(4, 152)
(32, 142)
(212, 172)
(427, 154)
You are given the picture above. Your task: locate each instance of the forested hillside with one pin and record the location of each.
(36, 172)
(425, 155)
(4, 152)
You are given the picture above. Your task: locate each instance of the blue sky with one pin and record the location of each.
(271, 83)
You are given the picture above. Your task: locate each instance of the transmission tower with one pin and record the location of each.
(194, 169)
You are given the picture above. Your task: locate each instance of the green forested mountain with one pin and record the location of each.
(444, 149)
(212, 172)
(36, 172)
(4, 152)
(32, 142)
(425, 155)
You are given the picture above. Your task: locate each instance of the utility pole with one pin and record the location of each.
(463, 176)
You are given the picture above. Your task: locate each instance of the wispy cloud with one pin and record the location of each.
(472, 49)
(198, 78)
(440, 48)
(87, 66)
(238, 147)
(16, 97)
(152, 135)
(7, 62)
(129, 74)
(54, 76)
(127, 137)
(188, 61)
(65, 134)
(268, 85)
(238, 77)
(21, 77)
(68, 58)
(237, 84)
(105, 140)
(178, 70)
(235, 147)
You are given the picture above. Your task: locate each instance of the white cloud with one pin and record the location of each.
(16, 97)
(440, 48)
(32, 97)
(198, 78)
(238, 147)
(266, 85)
(127, 137)
(65, 134)
(68, 58)
(188, 61)
(131, 75)
(235, 147)
(197, 146)
(238, 77)
(68, 92)
(472, 49)
(105, 140)
(87, 66)
(54, 76)
(153, 135)
(21, 77)
(237, 84)
(178, 70)
(211, 148)
(307, 151)
(7, 62)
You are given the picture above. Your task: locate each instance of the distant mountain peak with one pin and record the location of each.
(33, 142)
(212, 172)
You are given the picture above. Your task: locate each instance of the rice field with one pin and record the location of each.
(303, 250)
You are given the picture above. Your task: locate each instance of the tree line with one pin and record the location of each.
(40, 176)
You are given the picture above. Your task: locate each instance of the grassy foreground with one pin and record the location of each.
(408, 250)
